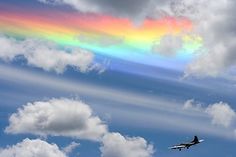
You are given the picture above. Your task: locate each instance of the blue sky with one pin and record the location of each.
(149, 107)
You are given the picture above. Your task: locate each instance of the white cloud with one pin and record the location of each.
(217, 31)
(169, 45)
(192, 105)
(221, 113)
(217, 61)
(68, 149)
(116, 145)
(70, 118)
(44, 54)
(80, 5)
(166, 108)
(57, 117)
(9, 49)
(32, 148)
(134, 9)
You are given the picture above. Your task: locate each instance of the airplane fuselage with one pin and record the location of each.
(187, 145)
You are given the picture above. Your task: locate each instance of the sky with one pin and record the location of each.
(127, 78)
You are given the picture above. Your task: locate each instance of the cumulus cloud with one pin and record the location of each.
(57, 117)
(220, 113)
(218, 33)
(116, 145)
(69, 118)
(169, 45)
(44, 54)
(32, 148)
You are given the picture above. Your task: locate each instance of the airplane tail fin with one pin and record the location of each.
(195, 139)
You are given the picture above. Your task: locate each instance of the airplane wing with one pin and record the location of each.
(177, 147)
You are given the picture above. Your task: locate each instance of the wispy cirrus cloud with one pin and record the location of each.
(170, 113)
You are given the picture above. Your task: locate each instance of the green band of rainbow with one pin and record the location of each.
(102, 34)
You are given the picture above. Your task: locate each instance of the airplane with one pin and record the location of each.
(187, 145)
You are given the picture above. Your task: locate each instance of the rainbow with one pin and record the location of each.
(102, 34)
